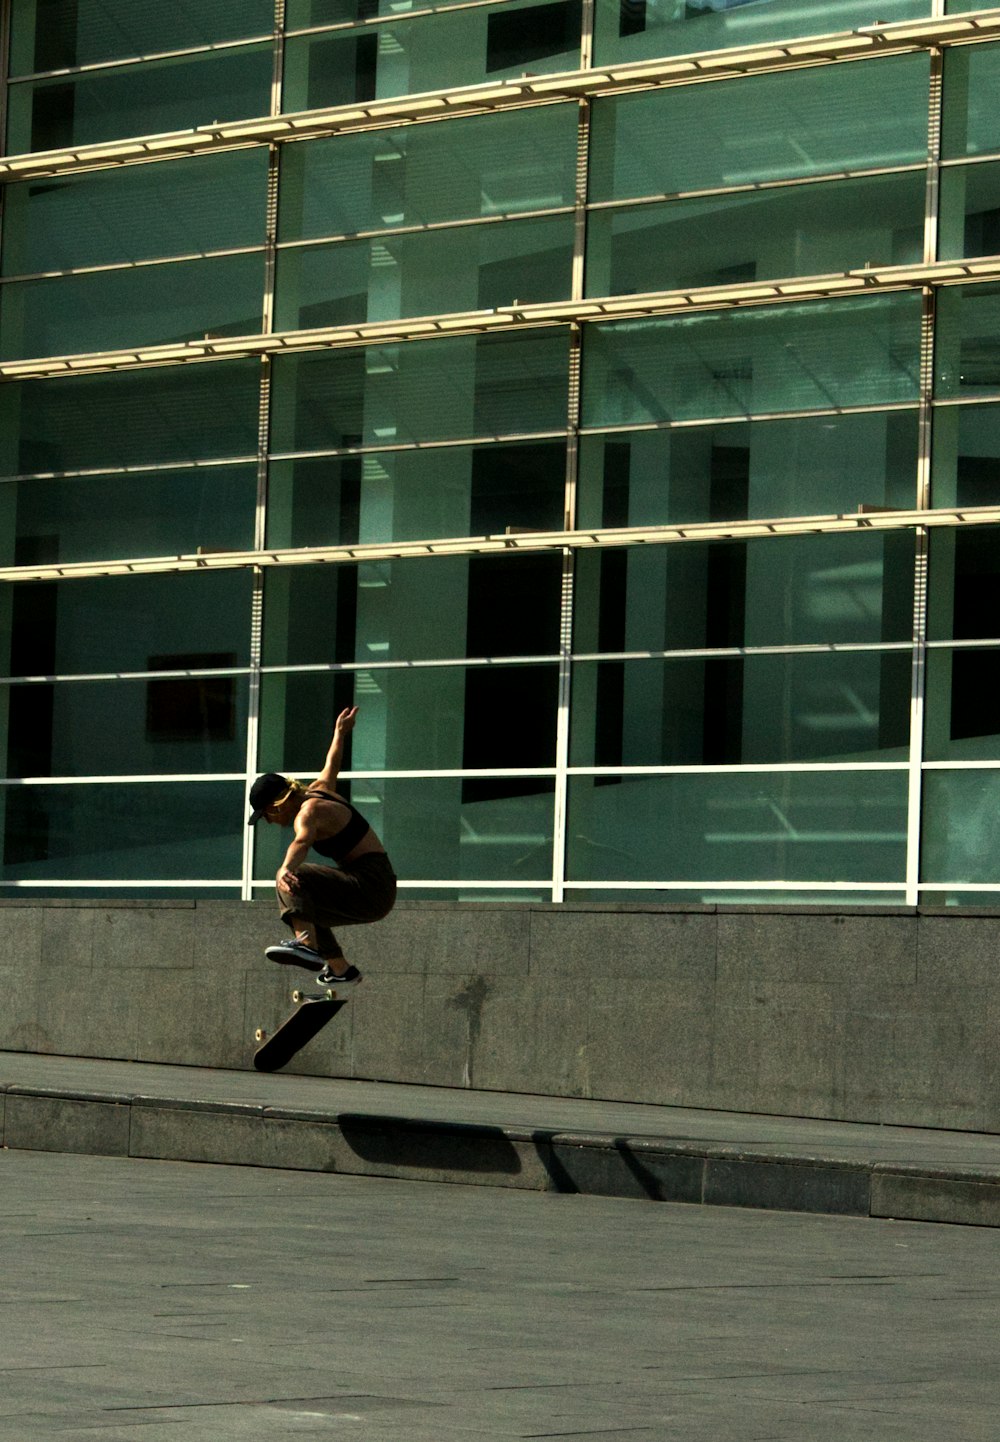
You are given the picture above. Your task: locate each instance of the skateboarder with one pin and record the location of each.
(312, 899)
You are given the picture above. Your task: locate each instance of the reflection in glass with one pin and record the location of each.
(176, 94)
(966, 456)
(162, 831)
(193, 723)
(137, 212)
(454, 389)
(108, 309)
(132, 418)
(441, 829)
(801, 826)
(962, 708)
(795, 590)
(640, 29)
(817, 121)
(967, 340)
(806, 466)
(469, 268)
(724, 240)
(109, 624)
(427, 608)
(970, 124)
(964, 584)
(483, 165)
(418, 494)
(439, 718)
(969, 221)
(703, 711)
(156, 513)
(740, 362)
(431, 52)
(961, 828)
(58, 34)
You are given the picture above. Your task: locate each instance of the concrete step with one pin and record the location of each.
(439, 1134)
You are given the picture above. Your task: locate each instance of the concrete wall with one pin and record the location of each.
(884, 1016)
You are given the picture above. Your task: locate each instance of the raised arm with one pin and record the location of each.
(335, 755)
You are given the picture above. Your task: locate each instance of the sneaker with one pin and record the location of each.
(350, 977)
(295, 953)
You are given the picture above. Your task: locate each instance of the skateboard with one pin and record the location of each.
(313, 1009)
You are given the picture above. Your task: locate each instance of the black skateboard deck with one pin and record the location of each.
(313, 1009)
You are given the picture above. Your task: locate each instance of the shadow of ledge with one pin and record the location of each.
(432, 1146)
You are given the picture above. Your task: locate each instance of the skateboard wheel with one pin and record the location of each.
(259, 1034)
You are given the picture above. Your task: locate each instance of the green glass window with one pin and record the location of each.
(468, 268)
(966, 456)
(439, 607)
(962, 708)
(964, 575)
(796, 590)
(417, 495)
(156, 513)
(453, 389)
(811, 229)
(133, 418)
(431, 718)
(58, 34)
(447, 829)
(107, 309)
(163, 831)
(969, 222)
(800, 826)
(509, 162)
(145, 99)
(754, 361)
(961, 829)
(640, 29)
(806, 466)
(967, 340)
(704, 711)
(113, 624)
(300, 14)
(762, 127)
(137, 212)
(431, 52)
(970, 125)
(183, 724)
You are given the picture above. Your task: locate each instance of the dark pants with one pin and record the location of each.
(360, 891)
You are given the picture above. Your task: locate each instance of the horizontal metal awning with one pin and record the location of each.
(866, 520)
(875, 39)
(512, 318)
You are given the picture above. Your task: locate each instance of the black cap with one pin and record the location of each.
(264, 792)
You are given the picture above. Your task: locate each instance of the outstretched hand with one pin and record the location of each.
(345, 721)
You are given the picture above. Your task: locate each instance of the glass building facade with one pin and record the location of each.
(604, 395)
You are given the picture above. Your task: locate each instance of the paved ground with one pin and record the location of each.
(146, 1299)
(436, 1134)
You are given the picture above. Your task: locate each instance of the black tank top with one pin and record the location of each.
(341, 845)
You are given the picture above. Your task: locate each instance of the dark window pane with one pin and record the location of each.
(55, 34)
(765, 127)
(132, 418)
(638, 29)
(414, 609)
(435, 390)
(159, 831)
(109, 309)
(417, 495)
(137, 212)
(479, 166)
(779, 592)
(140, 99)
(722, 240)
